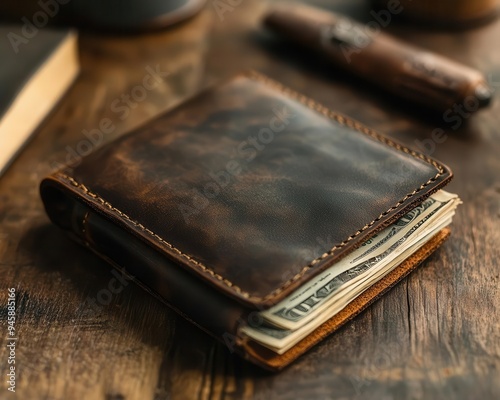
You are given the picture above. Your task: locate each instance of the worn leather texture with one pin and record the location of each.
(250, 186)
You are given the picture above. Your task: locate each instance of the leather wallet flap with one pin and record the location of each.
(252, 187)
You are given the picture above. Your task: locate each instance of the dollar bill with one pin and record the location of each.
(301, 306)
(330, 291)
(281, 340)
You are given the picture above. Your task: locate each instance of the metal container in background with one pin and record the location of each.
(108, 15)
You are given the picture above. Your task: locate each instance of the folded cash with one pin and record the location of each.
(289, 321)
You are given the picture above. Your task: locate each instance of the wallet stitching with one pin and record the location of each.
(107, 204)
(331, 115)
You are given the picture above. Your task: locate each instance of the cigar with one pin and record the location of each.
(404, 70)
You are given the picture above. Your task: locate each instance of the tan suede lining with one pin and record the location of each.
(273, 361)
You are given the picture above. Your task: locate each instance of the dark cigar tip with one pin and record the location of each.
(484, 94)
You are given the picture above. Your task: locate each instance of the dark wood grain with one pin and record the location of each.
(435, 335)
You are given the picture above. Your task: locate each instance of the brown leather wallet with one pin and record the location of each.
(231, 201)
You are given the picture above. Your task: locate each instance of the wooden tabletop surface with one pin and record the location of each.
(436, 335)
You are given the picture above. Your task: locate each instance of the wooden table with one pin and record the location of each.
(436, 335)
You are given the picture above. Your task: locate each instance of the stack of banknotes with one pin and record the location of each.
(291, 320)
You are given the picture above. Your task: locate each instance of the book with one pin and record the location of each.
(258, 214)
(36, 70)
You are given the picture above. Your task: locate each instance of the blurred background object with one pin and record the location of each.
(447, 13)
(407, 71)
(34, 76)
(113, 15)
